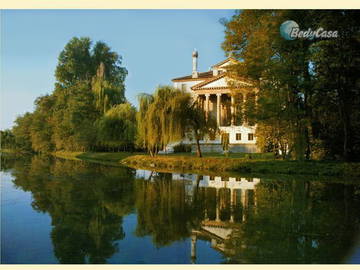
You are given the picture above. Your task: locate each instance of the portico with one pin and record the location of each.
(225, 101)
(221, 105)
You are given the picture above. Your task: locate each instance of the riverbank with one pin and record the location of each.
(244, 165)
(108, 158)
(213, 163)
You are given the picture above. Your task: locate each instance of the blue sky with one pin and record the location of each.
(156, 46)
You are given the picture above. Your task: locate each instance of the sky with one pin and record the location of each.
(155, 46)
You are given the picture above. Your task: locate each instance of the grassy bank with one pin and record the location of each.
(97, 157)
(244, 165)
(214, 163)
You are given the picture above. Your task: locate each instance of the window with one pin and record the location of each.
(250, 136)
(212, 178)
(183, 86)
(238, 136)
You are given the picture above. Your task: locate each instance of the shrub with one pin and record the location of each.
(181, 148)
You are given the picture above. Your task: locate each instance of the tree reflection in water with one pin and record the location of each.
(86, 204)
(248, 220)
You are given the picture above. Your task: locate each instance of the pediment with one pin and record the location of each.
(220, 81)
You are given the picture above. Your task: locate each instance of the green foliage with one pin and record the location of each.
(7, 139)
(41, 128)
(168, 116)
(308, 95)
(336, 93)
(263, 163)
(117, 128)
(182, 148)
(21, 131)
(86, 215)
(89, 84)
(158, 122)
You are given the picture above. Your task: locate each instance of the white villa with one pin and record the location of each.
(219, 99)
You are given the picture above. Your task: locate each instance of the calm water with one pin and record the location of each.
(59, 211)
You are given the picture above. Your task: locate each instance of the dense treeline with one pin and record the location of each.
(87, 109)
(308, 98)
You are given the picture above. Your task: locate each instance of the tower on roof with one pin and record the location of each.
(195, 55)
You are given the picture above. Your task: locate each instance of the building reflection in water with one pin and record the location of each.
(234, 197)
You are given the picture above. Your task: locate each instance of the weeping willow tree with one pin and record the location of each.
(145, 101)
(106, 93)
(117, 128)
(168, 116)
(158, 119)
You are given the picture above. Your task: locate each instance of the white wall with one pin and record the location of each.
(232, 130)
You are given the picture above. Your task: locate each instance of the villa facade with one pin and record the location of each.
(220, 97)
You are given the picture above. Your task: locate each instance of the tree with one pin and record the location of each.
(74, 62)
(158, 123)
(89, 82)
(21, 131)
(309, 94)
(117, 128)
(7, 139)
(195, 122)
(74, 119)
(41, 130)
(280, 70)
(336, 97)
(170, 115)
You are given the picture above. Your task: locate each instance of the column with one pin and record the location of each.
(243, 198)
(193, 248)
(243, 202)
(255, 201)
(243, 109)
(217, 205)
(218, 113)
(232, 204)
(232, 110)
(207, 98)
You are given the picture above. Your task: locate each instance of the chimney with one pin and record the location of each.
(215, 72)
(195, 73)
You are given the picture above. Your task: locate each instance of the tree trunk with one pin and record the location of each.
(345, 117)
(346, 153)
(307, 141)
(198, 149)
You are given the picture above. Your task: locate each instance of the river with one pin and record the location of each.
(61, 211)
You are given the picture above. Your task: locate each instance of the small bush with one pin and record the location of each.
(182, 148)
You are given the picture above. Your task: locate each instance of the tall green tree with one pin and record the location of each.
(41, 129)
(336, 97)
(308, 89)
(157, 122)
(21, 131)
(89, 82)
(117, 128)
(7, 139)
